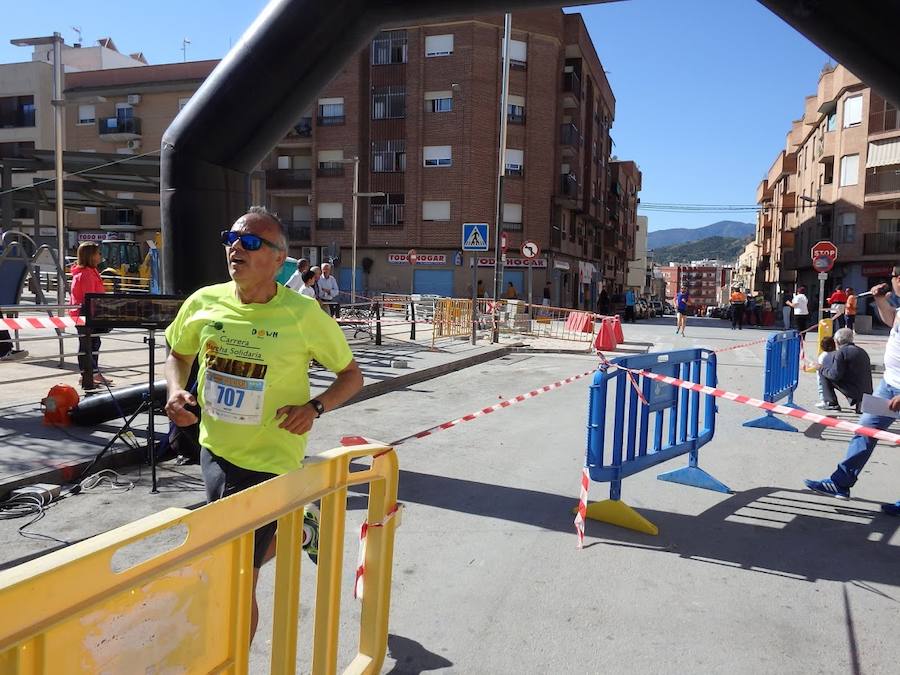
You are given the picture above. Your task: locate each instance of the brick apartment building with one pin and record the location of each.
(837, 179)
(704, 284)
(420, 110)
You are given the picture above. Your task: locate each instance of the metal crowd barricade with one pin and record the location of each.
(782, 375)
(452, 318)
(186, 608)
(671, 423)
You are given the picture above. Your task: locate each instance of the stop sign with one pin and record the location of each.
(503, 242)
(411, 256)
(824, 254)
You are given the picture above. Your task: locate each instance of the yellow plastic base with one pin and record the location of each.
(617, 512)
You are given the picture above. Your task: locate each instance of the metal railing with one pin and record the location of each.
(572, 84)
(569, 135)
(330, 224)
(883, 182)
(386, 215)
(330, 121)
(881, 243)
(298, 230)
(119, 125)
(289, 179)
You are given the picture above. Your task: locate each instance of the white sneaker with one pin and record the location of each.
(15, 355)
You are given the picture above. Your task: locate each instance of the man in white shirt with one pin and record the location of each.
(327, 290)
(800, 303)
(295, 283)
(861, 447)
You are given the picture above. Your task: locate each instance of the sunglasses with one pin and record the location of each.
(250, 242)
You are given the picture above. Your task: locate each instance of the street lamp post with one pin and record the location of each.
(355, 214)
(56, 40)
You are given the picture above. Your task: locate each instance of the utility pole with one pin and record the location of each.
(501, 172)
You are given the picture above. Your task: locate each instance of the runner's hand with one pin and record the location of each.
(895, 404)
(176, 410)
(298, 419)
(880, 290)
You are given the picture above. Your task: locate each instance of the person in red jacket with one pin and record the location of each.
(838, 302)
(86, 279)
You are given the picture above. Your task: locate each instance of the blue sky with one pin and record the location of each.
(705, 90)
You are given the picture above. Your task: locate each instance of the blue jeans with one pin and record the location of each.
(861, 447)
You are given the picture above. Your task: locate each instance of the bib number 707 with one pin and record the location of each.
(227, 395)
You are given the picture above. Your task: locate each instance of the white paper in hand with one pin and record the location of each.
(874, 405)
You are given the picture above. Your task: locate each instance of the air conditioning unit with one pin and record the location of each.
(134, 145)
(134, 99)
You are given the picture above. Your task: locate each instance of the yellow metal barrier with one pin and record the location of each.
(452, 318)
(187, 608)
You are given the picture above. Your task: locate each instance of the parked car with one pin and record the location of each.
(658, 307)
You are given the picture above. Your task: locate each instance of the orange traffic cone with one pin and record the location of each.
(617, 326)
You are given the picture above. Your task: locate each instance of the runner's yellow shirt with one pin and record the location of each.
(254, 359)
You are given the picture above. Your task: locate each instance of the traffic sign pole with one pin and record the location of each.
(474, 298)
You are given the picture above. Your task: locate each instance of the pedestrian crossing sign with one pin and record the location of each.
(475, 237)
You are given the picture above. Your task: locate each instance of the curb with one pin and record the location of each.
(67, 473)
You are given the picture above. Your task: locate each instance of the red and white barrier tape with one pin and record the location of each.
(41, 322)
(582, 506)
(358, 585)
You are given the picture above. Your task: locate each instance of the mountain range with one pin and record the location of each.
(725, 249)
(729, 229)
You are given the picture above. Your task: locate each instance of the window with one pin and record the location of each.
(16, 111)
(438, 45)
(518, 53)
(832, 120)
(284, 162)
(439, 211)
(438, 101)
(387, 211)
(389, 156)
(331, 111)
(512, 217)
(16, 149)
(330, 163)
(331, 216)
(389, 103)
(437, 155)
(515, 162)
(848, 227)
(882, 115)
(87, 114)
(828, 174)
(852, 111)
(516, 109)
(390, 46)
(849, 170)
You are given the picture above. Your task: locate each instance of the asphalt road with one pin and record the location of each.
(487, 578)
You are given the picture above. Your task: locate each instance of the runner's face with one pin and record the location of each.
(250, 269)
(895, 285)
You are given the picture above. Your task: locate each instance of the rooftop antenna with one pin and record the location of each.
(184, 43)
(77, 30)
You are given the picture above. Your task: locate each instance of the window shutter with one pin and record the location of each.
(331, 210)
(435, 210)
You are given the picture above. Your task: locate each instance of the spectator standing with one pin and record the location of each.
(603, 302)
(850, 309)
(759, 305)
(786, 315)
(838, 303)
(738, 303)
(629, 305)
(861, 447)
(546, 298)
(479, 291)
(800, 304)
(309, 284)
(295, 283)
(681, 306)
(328, 291)
(511, 292)
(86, 279)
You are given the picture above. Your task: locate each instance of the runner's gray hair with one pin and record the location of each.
(271, 215)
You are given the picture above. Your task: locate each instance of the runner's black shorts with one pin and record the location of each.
(222, 478)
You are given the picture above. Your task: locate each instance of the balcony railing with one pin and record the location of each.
(889, 181)
(572, 84)
(330, 224)
(298, 230)
(512, 227)
(17, 118)
(330, 121)
(881, 243)
(386, 215)
(122, 218)
(569, 136)
(330, 169)
(119, 126)
(568, 186)
(289, 179)
(516, 119)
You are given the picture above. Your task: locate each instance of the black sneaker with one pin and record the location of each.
(891, 509)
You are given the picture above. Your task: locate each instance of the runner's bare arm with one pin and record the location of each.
(178, 369)
(298, 419)
(885, 311)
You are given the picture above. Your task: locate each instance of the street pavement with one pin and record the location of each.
(487, 578)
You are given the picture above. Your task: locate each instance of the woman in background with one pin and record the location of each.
(86, 279)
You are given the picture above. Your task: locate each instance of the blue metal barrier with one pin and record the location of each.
(782, 375)
(682, 422)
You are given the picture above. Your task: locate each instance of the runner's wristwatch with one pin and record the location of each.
(317, 406)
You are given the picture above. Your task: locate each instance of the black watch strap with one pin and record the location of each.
(317, 406)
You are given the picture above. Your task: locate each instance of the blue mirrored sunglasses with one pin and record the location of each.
(250, 242)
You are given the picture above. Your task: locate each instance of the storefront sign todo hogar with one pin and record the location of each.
(421, 258)
(514, 262)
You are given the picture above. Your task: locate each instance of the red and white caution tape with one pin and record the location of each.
(359, 584)
(582, 506)
(41, 322)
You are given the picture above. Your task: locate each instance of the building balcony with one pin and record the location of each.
(766, 221)
(785, 165)
(881, 243)
(883, 183)
(513, 118)
(331, 121)
(330, 170)
(761, 191)
(571, 90)
(386, 215)
(570, 139)
(119, 128)
(788, 201)
(298, 230)
(568, 186)
(18, 118)
(303, 128)
(330, 224)
(120, 219)
(288, 179)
